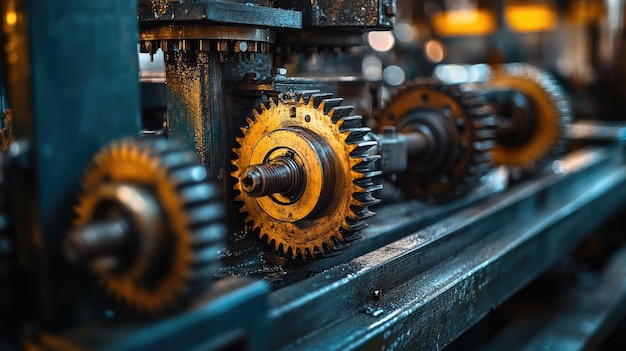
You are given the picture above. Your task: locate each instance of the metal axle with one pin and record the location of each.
(98, 239)
(281, 175)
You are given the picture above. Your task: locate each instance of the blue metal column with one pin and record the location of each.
(73, 86)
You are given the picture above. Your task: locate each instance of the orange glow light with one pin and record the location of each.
(434, 50)
(464, 22)
(530, 18)
(11, 18)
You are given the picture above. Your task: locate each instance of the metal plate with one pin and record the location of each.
(247, 14)
(579, 318)
(437, 282)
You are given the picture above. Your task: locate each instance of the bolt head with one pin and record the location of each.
(377, 294)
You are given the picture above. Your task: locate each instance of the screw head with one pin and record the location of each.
(377, 294)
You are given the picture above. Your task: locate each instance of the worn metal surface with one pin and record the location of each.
(347, 15)
(437, 282)
(249, 13)
(579, 319)
(355, 90)
(65, 107)
(230, 316)
(199, 31)
(200, 112)
(195, 103)
(246, 261)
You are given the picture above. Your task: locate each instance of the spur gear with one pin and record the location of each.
(303, 174)
(551, 117)
(455, 129)
(148, 223)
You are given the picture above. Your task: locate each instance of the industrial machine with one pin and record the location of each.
(451, 135)
(226, 202)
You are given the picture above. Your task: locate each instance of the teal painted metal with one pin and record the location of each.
(82, 71)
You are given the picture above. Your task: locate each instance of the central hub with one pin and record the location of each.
(283, 175)
(440, 134)
(290, 174)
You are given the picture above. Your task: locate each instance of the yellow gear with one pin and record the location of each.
(468, 145)
(319, 138)
(181, 252)
(553, 115)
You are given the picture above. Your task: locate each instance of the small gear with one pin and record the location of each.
(552, 118)
(464, 130)
(311, 151)
(175, 214)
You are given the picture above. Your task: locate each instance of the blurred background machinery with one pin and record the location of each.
(204, 174)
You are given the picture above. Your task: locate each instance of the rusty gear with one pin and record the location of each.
(179, 256)
(552, 118)
(314, 151)
(460, 158)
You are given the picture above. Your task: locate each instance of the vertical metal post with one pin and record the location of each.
(195, 101)
(73, 86)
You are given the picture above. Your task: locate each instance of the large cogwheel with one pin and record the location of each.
(552, 117)
(304, 175)
(173, 215)
(461, 130)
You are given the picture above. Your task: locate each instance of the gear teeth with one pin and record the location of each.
(486, 133)
(209, 234)
(271, 103)
(362, 147)
(352, 236)
(206, 213)
(366, 198)
(356, 225)
(179, 184)
(174, 161)
(476, 126)
(361, 212)
(367, 174)
(318, 98)
(366, 165)
(356, 134)
(263, 106)
(349, 122)
(488, 122)
(362, 170)
(336, 243)
(483, 158)
(206, 255)
(483, 145)
(190, 175)
(197, 193)
(367, 184)
(304, 96)
(561, 107)
(330, 104)
(342, 112)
